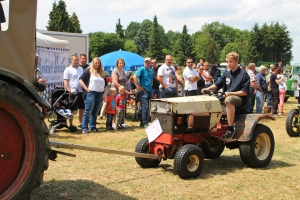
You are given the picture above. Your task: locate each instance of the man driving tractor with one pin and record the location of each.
(235, 84)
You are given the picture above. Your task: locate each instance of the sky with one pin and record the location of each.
(102, 15)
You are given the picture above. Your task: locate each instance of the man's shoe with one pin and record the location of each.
(94, 130)
(229, 134)
(120, 127)
(111, 128)
(79, 126)
(85, 132)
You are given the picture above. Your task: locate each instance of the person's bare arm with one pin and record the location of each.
(237, 93)
(159, 78)
(252, 83)
(84, 86)
(259, 87)
(180, 80)
(67, 86)
(279, 80)
(115, 80)
(136, 82)
(212, 87)
(194, 78)
(208, 78)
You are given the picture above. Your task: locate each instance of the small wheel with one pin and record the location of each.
(213, 151)
(73, 128)
(143, 147)
(292, 123)
(188, 161)
(258, 151)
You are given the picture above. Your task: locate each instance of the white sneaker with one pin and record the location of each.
(114, 126)
(125, 126)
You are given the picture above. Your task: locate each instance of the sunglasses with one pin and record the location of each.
(153, 62)
(190, 62)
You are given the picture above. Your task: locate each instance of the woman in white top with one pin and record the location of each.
(93, 85)
(282, 89)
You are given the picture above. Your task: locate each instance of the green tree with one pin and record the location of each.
(132, 30)
(59, 19)
(142, 38)
(254, 44)
(75, 28)
(183, 46)
(155, 43)
(101, 43)
(229, 48)
(130, 46)
(120, 30)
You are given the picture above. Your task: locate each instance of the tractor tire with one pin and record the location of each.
(143, 147)
(188, 161)
(258, 151)
(290, 124)
(24, 144)
(215, 151)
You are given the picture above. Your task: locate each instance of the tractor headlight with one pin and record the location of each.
(167, 108)
(153, 107)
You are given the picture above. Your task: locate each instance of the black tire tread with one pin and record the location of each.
(181, 157)
(247, 150)
(40, 131)
(212, 154)
(289, 123)
(142, 147)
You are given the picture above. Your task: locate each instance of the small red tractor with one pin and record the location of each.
(192, 129)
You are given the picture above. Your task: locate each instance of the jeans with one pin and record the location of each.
(251, 100)
(109, 119)
(275, 99)
(269, 96)
(157, 92)
(260, 100)
(168, 94)
(92, 102)
(145, 97)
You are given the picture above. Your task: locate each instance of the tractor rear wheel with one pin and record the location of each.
(258, 151)
(143, 147)
(213, 151)
(24, 144)
(188, 161)
(292, 123)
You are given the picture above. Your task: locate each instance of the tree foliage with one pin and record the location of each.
(102, 43)
(75, 28)
(183, 47)
(130, 46)
(143, 37)
(59, 19)
(132, 30)
(120, 30)
(156, 41)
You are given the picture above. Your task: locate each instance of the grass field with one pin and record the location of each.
(93, 175)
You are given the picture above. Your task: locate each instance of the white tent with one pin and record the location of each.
(46, 41)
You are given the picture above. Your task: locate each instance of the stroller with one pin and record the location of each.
(61, 96)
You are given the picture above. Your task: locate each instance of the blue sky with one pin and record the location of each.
(102, 15)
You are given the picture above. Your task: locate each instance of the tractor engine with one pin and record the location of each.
(186, 114)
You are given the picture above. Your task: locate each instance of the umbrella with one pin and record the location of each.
(132, 61)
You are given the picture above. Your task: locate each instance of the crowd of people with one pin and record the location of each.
(241, 87)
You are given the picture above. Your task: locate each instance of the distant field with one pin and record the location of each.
(93, 175)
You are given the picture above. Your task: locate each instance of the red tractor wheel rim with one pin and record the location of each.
(17, 150)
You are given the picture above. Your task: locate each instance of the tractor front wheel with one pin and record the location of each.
(143, 147)
(24, 144)
(258, 151)
(188, 161)
(292, 123)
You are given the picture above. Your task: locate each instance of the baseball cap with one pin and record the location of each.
(262, 67)
(147, 59)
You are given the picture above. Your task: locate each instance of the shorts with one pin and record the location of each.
(236, 101)
(76, 103)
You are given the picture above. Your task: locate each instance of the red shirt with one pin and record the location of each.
(121, 102)
(110, 105)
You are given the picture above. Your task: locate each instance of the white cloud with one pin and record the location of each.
(102, 15)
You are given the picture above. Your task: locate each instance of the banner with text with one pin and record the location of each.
(52, 63)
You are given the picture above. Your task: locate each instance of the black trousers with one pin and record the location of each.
(190, 92)
(251, 101)
(274, 99)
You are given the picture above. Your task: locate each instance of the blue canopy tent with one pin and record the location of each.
(132, 61)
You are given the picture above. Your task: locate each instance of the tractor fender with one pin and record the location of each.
(245, 125)
(25, 86)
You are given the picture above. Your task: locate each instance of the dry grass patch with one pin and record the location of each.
(93, 175)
